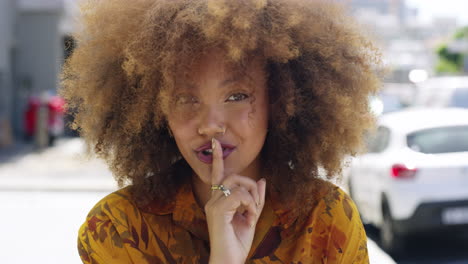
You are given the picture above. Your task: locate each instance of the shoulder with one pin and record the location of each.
(336, 211)
(99, 239)
(121, 205)
(113, 206)
(335, 227)
(330, 231)
(115, 228)
(334, 203)
(327, 202)
(324, 201)
(111, 216)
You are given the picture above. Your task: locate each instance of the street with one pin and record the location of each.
(449, 249)
(45, 196)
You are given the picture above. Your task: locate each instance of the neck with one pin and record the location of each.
(202, 190)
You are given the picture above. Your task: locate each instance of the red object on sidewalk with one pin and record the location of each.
(56, 111)
(31, 116)
(55, 124)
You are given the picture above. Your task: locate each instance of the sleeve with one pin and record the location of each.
(113, 236)
(98, 239)
(347, 238)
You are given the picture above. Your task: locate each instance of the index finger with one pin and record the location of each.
(217, 169)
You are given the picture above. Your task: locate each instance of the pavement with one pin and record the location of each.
(64, 167)
(68, 182)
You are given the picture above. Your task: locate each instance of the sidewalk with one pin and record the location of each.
(59, 168)
(11, 152)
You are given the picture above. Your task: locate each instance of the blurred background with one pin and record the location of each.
(411, 187)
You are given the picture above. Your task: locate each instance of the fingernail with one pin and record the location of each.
(263, 179)
(213, 144)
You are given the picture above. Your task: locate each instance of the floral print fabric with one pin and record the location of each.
(118, 231)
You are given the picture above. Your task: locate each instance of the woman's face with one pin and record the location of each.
(214, 99)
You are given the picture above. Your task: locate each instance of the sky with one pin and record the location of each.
(441, 8)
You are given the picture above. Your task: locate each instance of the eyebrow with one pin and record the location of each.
(233, 79)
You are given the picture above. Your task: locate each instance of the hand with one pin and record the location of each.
(232, 219)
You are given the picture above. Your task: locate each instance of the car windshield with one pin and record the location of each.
(439, 140)
(460, 98)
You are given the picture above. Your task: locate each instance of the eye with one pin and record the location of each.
(237, 97)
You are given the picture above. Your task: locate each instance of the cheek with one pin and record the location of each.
(181, 115)
(252, 118)
(238, 115)
(182, 131)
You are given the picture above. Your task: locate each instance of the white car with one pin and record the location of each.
(415, 176)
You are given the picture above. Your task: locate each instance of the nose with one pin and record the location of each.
(211, 122)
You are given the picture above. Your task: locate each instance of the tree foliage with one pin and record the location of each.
(451, 62)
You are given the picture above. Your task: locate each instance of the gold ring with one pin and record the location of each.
(221, 187)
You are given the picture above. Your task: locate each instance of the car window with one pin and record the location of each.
(460, 98)
(439, 140)
(378, 142)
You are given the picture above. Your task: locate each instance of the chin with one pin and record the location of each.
(204, 174)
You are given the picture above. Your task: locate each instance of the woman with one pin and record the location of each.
(218, 115)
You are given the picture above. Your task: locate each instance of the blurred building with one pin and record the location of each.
(395, 8)
(32, 35)
(407, 43)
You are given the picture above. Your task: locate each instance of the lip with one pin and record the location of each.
(227, 150)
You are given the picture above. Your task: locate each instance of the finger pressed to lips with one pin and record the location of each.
(217, 172)
(217, 169)
(245, 192)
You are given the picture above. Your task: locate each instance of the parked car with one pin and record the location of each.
(443, 92)
(414, 177)
(54, 105)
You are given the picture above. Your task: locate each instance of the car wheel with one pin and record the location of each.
(391, 241)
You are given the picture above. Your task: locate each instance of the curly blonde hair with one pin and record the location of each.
(320, 68)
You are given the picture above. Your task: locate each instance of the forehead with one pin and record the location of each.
(215, 68)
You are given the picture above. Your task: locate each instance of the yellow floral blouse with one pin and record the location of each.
(117, 231)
